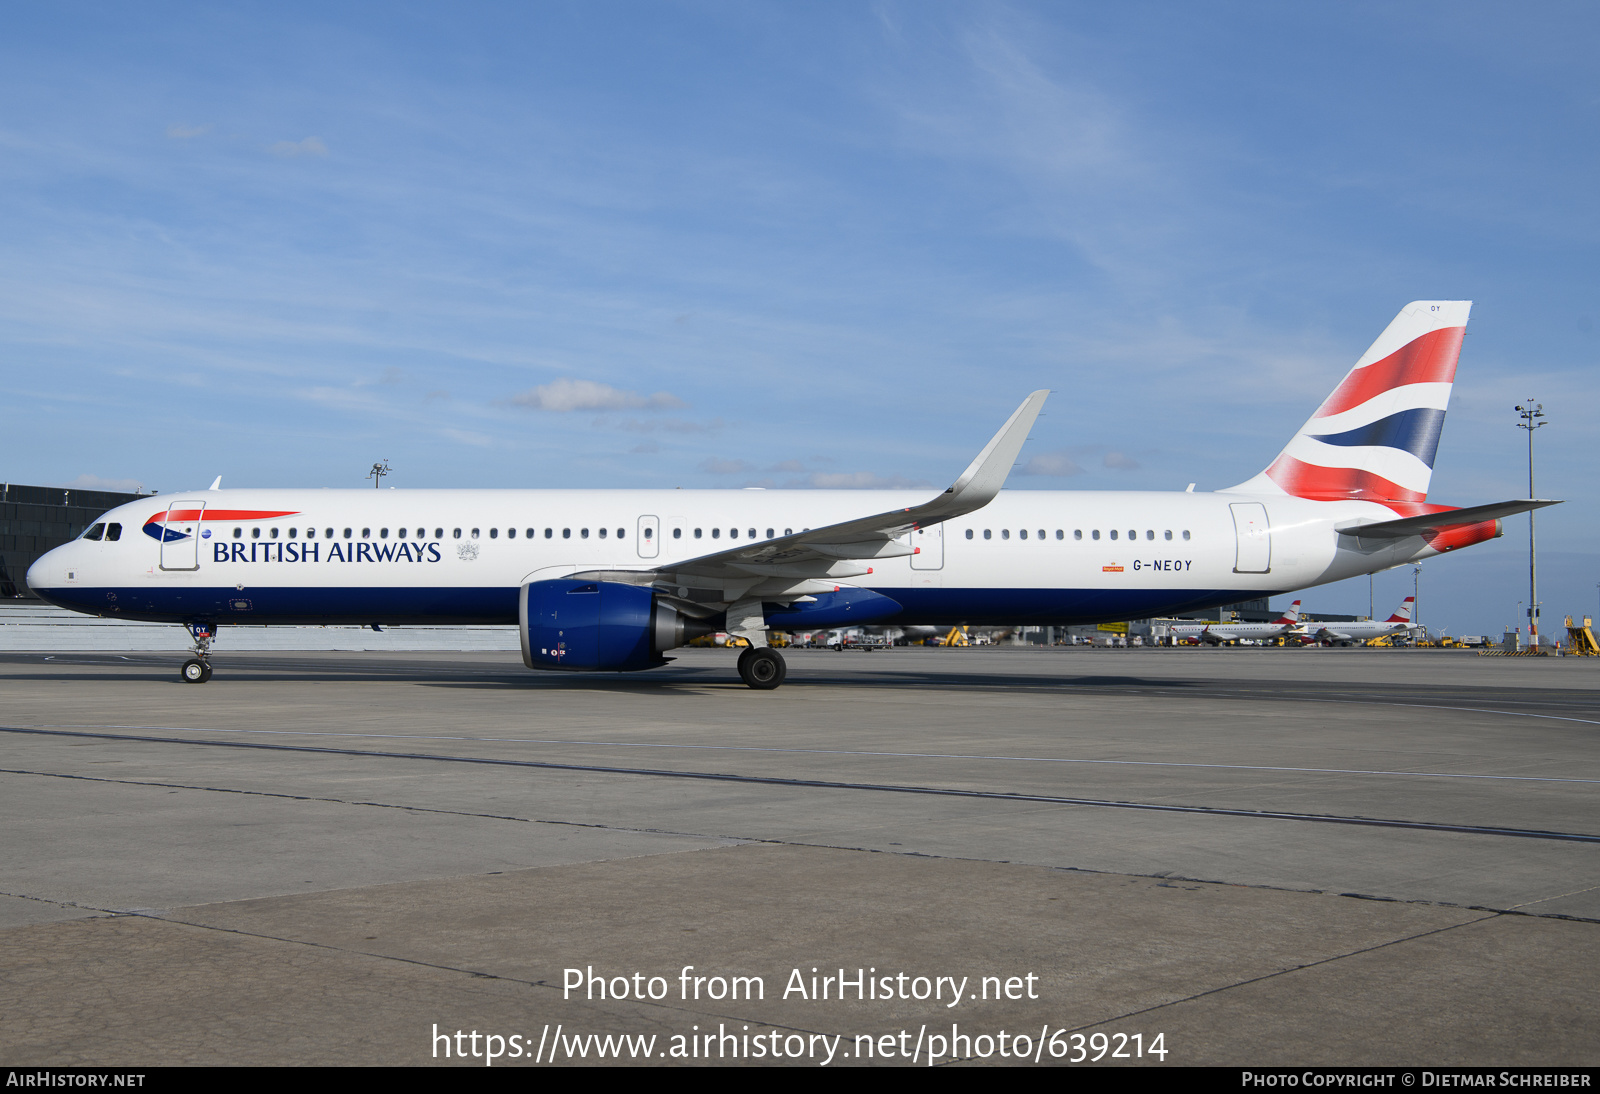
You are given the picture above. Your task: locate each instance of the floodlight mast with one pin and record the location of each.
(1531, 414)
(379, 470)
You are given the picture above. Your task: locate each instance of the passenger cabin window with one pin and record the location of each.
(1113, 533)
(602, 533)
(1169, 533)
(255, 533)
(383, 533)
(456, 533)
(294, 532)
(494, 533)
(238, 532)
(311, 533)
(366, 533)
(1186, 533)
(788, 531)
(274, 533)
(987, 534)
(769, 533)
(753, 533)
(583, 533)
(532, 532)
(328, 534)
(733, 533)
(969, 533)
(1096, 534)
(511, 533)
(697, 533)
(438, 533)
(347, 533)
(474, 533)
(677, 533)
(1077, 533)
(716, 533)
(566, 533)
(621, 532)
(95, 532)
(549, 533)
(1022, 534)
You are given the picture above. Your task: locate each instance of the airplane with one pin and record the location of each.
(1217, 633)
(1361, 632)
(611, 580)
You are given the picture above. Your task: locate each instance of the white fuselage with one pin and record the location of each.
(398, 556)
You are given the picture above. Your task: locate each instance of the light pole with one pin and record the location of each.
(1531, 414)
(379, 470)
(1416, 598)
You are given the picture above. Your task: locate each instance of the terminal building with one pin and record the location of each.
(35, 519)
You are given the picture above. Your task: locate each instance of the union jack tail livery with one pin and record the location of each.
(1403, 613)
(1375, 437)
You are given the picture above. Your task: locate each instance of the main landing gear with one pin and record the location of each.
(197, 670)
(762, 668)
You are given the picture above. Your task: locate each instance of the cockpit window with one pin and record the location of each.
(95, 532)
(113, 533)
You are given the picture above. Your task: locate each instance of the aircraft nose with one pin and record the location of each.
(46, 577)
(36, 573)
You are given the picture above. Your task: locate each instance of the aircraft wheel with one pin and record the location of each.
(195, 671)
(207, 677)
(764, 669)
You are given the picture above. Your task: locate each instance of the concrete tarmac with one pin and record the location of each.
(1257, 856)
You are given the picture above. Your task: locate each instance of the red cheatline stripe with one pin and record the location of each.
(1430, 359)
(1308, 480)
(221, 514)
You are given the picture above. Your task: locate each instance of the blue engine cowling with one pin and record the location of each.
(599, 626)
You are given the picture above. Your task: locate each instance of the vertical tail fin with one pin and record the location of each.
(1292, 616)
(1375, 437)
(1402, 614)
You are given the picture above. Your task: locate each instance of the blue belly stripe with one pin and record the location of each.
(293, 605)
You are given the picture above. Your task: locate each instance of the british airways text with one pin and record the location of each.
(336, 552)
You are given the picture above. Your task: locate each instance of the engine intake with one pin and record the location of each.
(599, 626)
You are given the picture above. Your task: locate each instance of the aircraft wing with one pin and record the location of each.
(837, 551)
(1430, 522)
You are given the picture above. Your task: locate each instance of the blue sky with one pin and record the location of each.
(715, 244)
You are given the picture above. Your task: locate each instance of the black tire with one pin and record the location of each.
(207, 678)
(764, 669)
(194, 671)
(744, 657)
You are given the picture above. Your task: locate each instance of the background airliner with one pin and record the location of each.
(611, 580)
(1218, 633)
(1361, 632)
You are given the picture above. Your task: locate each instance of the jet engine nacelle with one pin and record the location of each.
(599, 626)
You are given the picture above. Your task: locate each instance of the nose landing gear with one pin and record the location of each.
(197, 670)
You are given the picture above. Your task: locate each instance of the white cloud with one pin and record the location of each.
(856, 480)
(671, 425)
(1058, 464)
(311, 146)
(719, 466)
(567, 394)
(95, 482)
(1122, 462)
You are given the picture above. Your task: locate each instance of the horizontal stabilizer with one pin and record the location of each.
(1449, 518)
